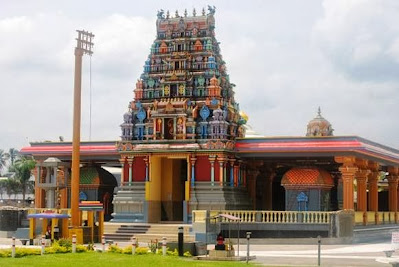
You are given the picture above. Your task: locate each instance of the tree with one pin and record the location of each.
(22, 168)
(3, 159)
(13, 155)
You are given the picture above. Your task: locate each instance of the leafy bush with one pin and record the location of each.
(172, 253)
(64, 242)
(127, 250)
(80, 248)
(187, 254)
(114, 249)
(90, 247)
(142, 250)
(4, 253)
(22, 252)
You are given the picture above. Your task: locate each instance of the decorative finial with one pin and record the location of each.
(194, 12)
(177, 14)
(167, 14)
(185, 12)
(203, 11)
(319, 112)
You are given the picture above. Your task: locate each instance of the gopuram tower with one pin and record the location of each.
(178, 135)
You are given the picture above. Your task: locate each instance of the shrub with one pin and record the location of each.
(4, 253)
(172, 253)
(142, 250)
(187, 254)
(63, 242)
(114, 249)
(127, 250)
(22, 252)
(80, 248)
(90, 247)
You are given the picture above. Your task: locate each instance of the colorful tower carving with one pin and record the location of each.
(183, 109)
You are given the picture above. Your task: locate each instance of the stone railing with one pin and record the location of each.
(250, 216)
(372, 217)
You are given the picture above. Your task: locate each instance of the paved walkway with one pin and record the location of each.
(331, 255)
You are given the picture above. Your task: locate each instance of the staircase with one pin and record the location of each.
(145, 233)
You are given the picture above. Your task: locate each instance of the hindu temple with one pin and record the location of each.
(183, 153)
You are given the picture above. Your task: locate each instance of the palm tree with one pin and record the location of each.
(3, 159)
(13, 155)
(22, 168)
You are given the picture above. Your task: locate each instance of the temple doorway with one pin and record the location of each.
(167, 189)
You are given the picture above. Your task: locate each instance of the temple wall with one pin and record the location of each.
(202, 169)
(138, 169)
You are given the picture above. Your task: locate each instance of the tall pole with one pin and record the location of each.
(84, 46)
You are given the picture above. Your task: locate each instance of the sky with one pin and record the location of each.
(286, 58)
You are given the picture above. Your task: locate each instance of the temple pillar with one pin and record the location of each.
(269, 190)
(130, 166)
(192, 160)
(236, 181)
(393, 188)
(252, 172)
(361, 180)
(373, 186)
(231, 161)
(146, 168)
(212, 159)
(122, 162)
(221, 170)
(348, 171)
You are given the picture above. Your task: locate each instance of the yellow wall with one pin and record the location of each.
(164, 186)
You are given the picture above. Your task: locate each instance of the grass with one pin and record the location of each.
(94, 259)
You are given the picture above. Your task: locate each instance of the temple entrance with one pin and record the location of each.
(167, 189)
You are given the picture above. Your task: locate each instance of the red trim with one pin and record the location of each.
(328, 144)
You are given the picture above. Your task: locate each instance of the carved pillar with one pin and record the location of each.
(348, 171)
(221, 170)
(269, 189)
(240, 176)
(122, 162)
(232, 171)
(236, 182)
(130, 165)
(212, 159)
(373, 186)
(193, 159)
(393, 188)
(251, 184)
(361, 180)
(146, 168)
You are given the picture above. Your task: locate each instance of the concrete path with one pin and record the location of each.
(331, 255)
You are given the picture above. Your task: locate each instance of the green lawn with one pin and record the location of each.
(94, 259)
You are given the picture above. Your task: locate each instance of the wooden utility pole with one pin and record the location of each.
(84, 46)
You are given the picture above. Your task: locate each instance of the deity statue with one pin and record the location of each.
(211, 10)
(160, 14)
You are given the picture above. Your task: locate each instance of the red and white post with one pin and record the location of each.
(164, 246)
(13, 247)
(103, 243)
(134, 244)
(73, 243)
(43, 243)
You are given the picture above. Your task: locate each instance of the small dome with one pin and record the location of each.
(127, 117)
(306, 177)
(319, 126)
(244, 115)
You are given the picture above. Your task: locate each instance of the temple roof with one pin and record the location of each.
(260, 147)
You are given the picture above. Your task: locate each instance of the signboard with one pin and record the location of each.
(395, 240)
